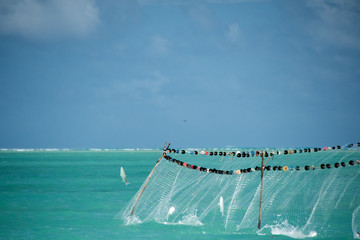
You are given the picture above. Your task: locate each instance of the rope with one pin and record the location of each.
(268, 168)
(257, 152)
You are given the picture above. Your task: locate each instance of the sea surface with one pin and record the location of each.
(79, 194)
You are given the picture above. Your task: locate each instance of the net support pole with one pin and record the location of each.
(148, 179)
(261, 187)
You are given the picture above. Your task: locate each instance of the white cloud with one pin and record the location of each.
(201, 15)
(152, 85)
(148, 88)
(233, 34)
(159, 45)
(47, 19)
(161, 2)
(233, 1)
(337, 22)
(191, 2)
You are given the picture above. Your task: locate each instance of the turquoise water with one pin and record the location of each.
(78, 194)
(68, 195)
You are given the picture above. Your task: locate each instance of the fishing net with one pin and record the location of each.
(306, 192)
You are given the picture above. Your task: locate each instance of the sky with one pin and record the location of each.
(198, 73)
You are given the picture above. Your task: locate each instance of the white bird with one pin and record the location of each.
(123, 175)
(221, 204)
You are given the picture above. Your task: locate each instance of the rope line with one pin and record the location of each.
(267, 168)
(256, 153)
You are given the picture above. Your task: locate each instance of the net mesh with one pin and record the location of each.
(301, 202)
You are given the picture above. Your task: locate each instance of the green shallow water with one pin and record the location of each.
(67, 195)
(77, 194)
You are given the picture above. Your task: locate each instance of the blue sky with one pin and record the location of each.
(126, 74)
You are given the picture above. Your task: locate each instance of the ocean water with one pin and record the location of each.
(66, 194)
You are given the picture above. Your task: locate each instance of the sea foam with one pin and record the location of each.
(286, 229)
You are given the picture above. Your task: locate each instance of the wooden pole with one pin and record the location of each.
(261, 187)
(148, 179)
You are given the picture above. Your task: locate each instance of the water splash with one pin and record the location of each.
(191, 220)
(132, 220)
(286, 229)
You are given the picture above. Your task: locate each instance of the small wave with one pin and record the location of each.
(132, 220)
(191, 219)
(23, 150)
(286, 229)
(79, 150)
(95, 149)
(35, 149)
